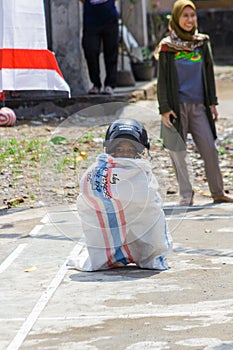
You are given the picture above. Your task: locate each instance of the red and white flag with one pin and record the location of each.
(25, 61)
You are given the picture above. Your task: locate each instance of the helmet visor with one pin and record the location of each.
(124, 146)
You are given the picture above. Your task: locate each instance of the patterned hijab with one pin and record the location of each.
(179, 39)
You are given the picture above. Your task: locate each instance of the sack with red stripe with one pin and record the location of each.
(7, 117)
(122, 218)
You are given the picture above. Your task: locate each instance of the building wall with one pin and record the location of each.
(65, 33)
(65, 36)
(66, 24)
(166, 5)
(217, 23)
(217, 4)
(215, 18)
(134, 17)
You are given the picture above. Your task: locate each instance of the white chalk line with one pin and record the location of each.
(45, 219)
(34, 232)
(14, 255)
(38, 308)
(215, 307)
(197, 217)
(46, 296)
(172, 313)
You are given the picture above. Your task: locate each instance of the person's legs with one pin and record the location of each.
(179, 163)
(91, 42)
(204, 140)
(181, 170)
(110, 47)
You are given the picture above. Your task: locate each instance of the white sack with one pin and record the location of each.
(122, 218)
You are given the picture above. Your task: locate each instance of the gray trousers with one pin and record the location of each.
(194, 120)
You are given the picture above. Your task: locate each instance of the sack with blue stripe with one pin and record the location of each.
(122, 217)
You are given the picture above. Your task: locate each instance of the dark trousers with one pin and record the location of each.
(107, 35)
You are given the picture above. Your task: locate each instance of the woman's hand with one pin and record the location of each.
(214, 112)
(166, 120)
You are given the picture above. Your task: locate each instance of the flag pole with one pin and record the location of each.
(121, 37)
(124, 77)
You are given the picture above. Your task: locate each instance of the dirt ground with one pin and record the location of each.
(27, 181)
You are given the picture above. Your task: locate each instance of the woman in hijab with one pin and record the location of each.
(187, 99)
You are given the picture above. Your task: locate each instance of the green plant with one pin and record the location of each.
(147, 54)
(222, 150)
(88, 137)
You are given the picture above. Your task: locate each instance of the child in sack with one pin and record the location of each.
(120, 207)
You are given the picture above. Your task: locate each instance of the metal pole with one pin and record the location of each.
(48, 18)
(121, 37)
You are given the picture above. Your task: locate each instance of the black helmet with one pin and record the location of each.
(129, 129)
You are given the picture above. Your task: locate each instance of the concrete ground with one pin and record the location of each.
(45, 305)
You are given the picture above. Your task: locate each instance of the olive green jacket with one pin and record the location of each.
(168, 97)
